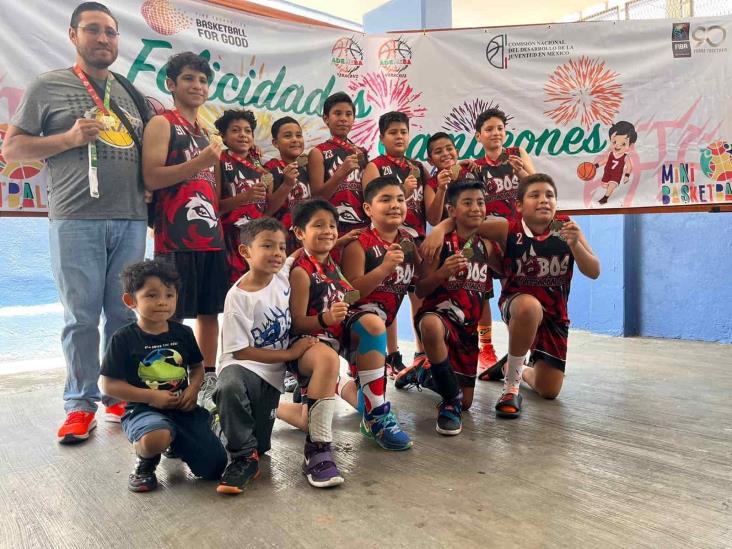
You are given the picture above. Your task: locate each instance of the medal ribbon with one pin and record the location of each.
(456, 245)
(103, 106)
(256, 165)
(321, 271)
(193, 131)
(347, 144)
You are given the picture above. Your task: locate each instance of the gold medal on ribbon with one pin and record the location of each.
(302, 160)
(408, 248)
(361, 159)
(414, 172)
(503, 157)
(351, 297)
(267, 180)
(467, 253)
(108, 121)
(217, 139)
(455, 171)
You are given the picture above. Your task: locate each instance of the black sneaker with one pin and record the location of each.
(143, 478)
(394, 364)
(449, 418)
(238, 474)
(409, 376)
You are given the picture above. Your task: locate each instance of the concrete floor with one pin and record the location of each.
(636, 451)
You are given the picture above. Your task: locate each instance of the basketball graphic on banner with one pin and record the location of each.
(716, 161)
(586, 171)
(164, 18)
(346, 56)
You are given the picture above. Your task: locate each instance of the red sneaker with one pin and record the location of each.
(115, 412)
(487, 357)
(77, 427)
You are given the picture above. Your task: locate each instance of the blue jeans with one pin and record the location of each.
(87, 257)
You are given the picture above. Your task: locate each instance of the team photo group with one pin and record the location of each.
(293, 268)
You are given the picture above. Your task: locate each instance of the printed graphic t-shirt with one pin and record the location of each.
(152, 361)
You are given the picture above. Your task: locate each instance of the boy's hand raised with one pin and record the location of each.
(290, 173)
(164, 400)
(210, 155)
(255, 193)
(452, 265)
(394, 256)
(336, 313)
(432, 243)
(570, 232)
(410, 184)
(298, 348)
(443, 179)
(347, 238)
(350, 163)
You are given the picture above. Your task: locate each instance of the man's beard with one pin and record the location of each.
(97, 63)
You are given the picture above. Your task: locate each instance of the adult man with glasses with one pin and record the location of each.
(87, 123)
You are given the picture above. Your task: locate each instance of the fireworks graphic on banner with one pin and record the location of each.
(583, 91)
(462, 118)
(384, 95)
(164, 18)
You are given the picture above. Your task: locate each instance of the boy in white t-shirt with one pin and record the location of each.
(255, 340)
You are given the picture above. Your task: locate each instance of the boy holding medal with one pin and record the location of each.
(335, 166)
(454, 285)
(394, 135)
(320, 304)
(245, 185)
(178, 164)
(290, 173)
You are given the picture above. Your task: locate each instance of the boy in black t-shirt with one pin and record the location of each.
(155, 365)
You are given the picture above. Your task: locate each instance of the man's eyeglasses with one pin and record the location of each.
(96, 30)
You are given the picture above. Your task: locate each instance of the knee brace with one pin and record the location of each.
(369, 342)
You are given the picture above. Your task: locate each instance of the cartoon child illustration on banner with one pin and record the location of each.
(617, 166)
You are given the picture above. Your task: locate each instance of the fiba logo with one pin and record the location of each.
(395, 56)
(495, 52)
(347, 57)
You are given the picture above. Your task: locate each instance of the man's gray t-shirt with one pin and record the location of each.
(50, 106)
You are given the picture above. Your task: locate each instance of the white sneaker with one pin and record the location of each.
(205, 395)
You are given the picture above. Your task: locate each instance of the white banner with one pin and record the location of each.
(663, 85)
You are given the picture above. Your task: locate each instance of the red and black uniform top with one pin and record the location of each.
(501, 185)
(614, 168)
(299, 193)
(388, 295)
(461, 297)
(327, 287)
(538, 265)
(186, 214)
(464, 174)
(348, 196)
(238, 175)
(400, 168)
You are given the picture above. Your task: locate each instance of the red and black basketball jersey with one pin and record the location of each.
(464, 174)
(414, 223)
(327, 286)
(348, 196)
(539, 265)
(613, 169)
(501, 185)
(298, 193)
(461, 297)
(388, 295)
(187, 213)
(237, 178)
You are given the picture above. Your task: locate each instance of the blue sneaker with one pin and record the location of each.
(382, 426)
(449, 418)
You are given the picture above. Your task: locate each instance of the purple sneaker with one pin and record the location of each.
(319, 466)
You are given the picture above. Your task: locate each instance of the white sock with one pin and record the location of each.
(512, 379)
